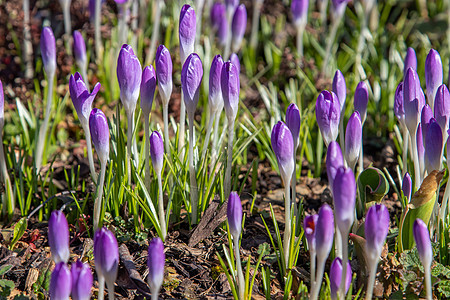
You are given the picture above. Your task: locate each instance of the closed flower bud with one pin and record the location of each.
(157, 151)
(81, 98)
(425, 118)
(148, 87)
(82, 281)
(219, 22)
(413, 100)
(79, 50)
(339, 7)
(191, 79)
(129, 75)
(58, 236)
(234, 214)
(155, 263)
(442, 108)
(336, 275)
(399, 110)
(339, 88)
(423, 243)
(433, 75)
(106, 255)
(376, 229)
(293, 121)
(163, 63)
(309, 226)
(215, 89)
(299, 9)
(407, 186)
(187, 29)
(48, 51)
(324, 232)
(283, 147)
(353, 139)
(433, 147)
(234, 59)
(410, 60)
(328, 113)
(238, 26)
(60, 282)
(344, 193)
(361, 100)
(230, 84)
(98, 126)
(334, 161)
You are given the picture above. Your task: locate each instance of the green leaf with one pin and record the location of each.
(372, 187)
(19, 230)
(444, 288)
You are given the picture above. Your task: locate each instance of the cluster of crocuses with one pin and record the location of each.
(78, 281)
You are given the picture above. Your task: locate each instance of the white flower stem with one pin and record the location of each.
(182, 128)
(226, 53)
(342, 291)
(43, 129)
(300, 30)
(229, 158)
(110, 290)
(341, 131)
(166, 128)
(155, 293)
(427, 269)
(123, 26)
(98, 43)
(371, 282)
(417, 180)
(155, 33)
(361, 159)
(87, 132)
(215, 138)
(98, 201)
(442, 211)
(162, 218)
(323, 12)
(8, 198)
(147, 151)
(287, 221)
(318, 283)
(240, 273)
(101, 287)
(192, 174)
(199, 12)
(294, 181)
(405, 151)
(312, 259)
(27, 45)
(129, 143)
(334, 26)
(208, 133)
(67, 24)
(360, 47)
(134, 23)
(255, 23)
(338, 241)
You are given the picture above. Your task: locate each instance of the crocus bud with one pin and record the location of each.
(231, 6)
(48, 51)
(399, 110)
(157, 151)
(324, 232)
(148, 87)
(234, 59)
(353, 138)
(339, 87)
(309, 226)
(60, 282)
(234, 214)
(238, 26)
(293, 121)
(299, 9)
(361, 100)
(82, 281)
(106, 255)
(442, 108)
(410, 60)
(420, 148)
(187, 30)
(283, 147)
(219, 21)
(215, 89)
(334, 161)
(433, 75)
(425, 118)
(229, 80)
(98, 126)
(328, 113)
(433, 147)
(407, 186)
(191, 79)
(155, 263)
(344, 193)
(58, 236)
(2, 106)
(79, 49)
(336, 275)
(163, 63)
(129, 75)
(81, 98)
(339, 7)
(376, 229)
(412, 99)
(423, 243)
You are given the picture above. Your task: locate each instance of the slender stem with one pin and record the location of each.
(134, 23)
(341, 131)
(101, 287)
(255, 23)
(442, 212)
(323, 12)
(147, 151)
(155, 33)
(98, 201)
(166, 128)
(334, 26)
(192, 174)
(229, 158)
(162, 218)
(208, 133)
(43, 130)
(361, 159)
(110, 290)
(300, 30)
(215, 138)
(155, 293)
(417, 180)
(428, 282)
(360, 47)
(28, 47)
(342, 290)
(226, 53)
(337, 241)
(123, 24)
(371, 282)
(8, 199)
(87, 132)
(312, 259)
(318, 283)
(287, 221)
(67, 24)
(129, 143)
(294, 181)
(84, 75)
(98, 38)
(405, 150)
(135, 149)
(240, 274)
(199, 12)
(182, 127)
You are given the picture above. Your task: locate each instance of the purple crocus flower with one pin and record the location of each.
(399, 110)
(339, 7)
(376, 229)
(82, 281)
(79, 50)
(129, 75)
(48, 51)
(234, 214)
(413, 100)
(58, 236)
(98, 126)
(407, 186)
(423, 243)
(191, 79)
(157, 151)
(361, 100)
(344, 193)
(81, 98)
(293, 121)
(353, 139)
(336, 275)
(219, 21)
(442, 109)
(410, 60)
(299, 9)
(433, 75)
(309, 226)
(324, 233)
(148, 87)
(155, 263)
(238, 26)
(215, 88)
(234, 59)
(334, 160)
(231, 6)
(283, 147)
(187, 30)
(425, 118)
(339, 87)
(328, 113)
(60, 282)
(433, 147)
(420, 148)
(106, 255)
(163, 64)
(230, 84)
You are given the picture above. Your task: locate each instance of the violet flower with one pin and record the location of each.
(328, 113)
(423, 244)
(299, 10)
(106, 256)
(340, 89)
(353, 139)
(336, 276)
(234, 59)
(410, 60)
(309, 227)
(60, 282)
(433, 75)
(79, 51)
(407, 186)
(334, 160)
(433, 147)
(48, 51)
(155, 262)
(425, 118)
(399, 112)
(58, 236)
(238, 27)
(219, 22)
(293, 122)
(361, 100)
(82, 281)
(442, 109)
(157, 154)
